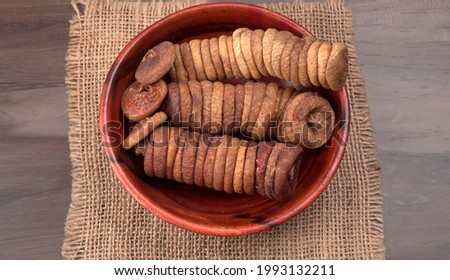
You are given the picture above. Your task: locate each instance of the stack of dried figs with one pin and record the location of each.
(228, 130)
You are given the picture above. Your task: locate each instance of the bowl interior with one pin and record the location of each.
(191, 207)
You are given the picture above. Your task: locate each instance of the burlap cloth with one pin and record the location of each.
(104, 222)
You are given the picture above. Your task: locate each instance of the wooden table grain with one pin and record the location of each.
(404, 49)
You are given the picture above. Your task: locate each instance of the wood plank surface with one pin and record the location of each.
(404, 49)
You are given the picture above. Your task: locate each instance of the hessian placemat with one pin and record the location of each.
(105, 222)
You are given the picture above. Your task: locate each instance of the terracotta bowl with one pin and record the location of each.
(190, 207)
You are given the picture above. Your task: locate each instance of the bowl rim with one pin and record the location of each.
(120, 170)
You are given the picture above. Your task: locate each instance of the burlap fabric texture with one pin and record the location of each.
(104, 222)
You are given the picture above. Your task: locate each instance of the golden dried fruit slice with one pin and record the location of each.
(279, 42)
(208, 166)
(224, 57)
(267, 114)
(262, 157)
(178, 163)
(208, 65)
(269, 176)
(197, 59)
(230, 165)
(143, 129)
(139, 101)
(249, 178)
(286, 172)
(322, 59)
(155, 63)
(220, 161)
(285, 59)
(200, 159)
(197, 105)
(294, 61)
(238, 53)
(160, 143)
(259, 92)
(238, 176)
(303, 63)
(257, 51)
(232, 57)
(180, 70)
(267, 43)
(216, 108)
(337, 66)
(188, 61)
(207, 88)
(239, 108)
(246, 47)
(185, 104)
(189, 157)
(228, 108)
(215, 57)
(172, 148)
(313, 52)
(248, 96)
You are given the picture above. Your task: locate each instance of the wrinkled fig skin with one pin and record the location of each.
(286, 172)
(156, 63)
(143, 129)
(139, 101)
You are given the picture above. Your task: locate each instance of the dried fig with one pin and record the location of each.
(148, 158)
(207, 88)
(262, 157)
(269, 176)
(139, 101)
(239, 107)
(200, 159)
(156, 63)
(267, 43)
(210, 71)
(286, 172)
(216, 108)
(188, 61)
(248, 96)
(267, 114)
(220, 161)
(160, 142)
(197, 59)
(259, 92)
(172, 148)
(238, 176)
(277, 49)
(215, 57)
(285, 59)
(177, 166)
(233, 63)
(285, 97)
(293, 63)
(257, 51)
(185, 104)
(230, 165)
(224, 58)
(337, 66)
(143, 129)
(322, 59)
(238, 53)
(197, 104)
(228, 108)
(189, 157)
(246, 47)
(172, 103)
(181, 72)
(313, 52)
(303, 63)
(250, 168)
(208, 166)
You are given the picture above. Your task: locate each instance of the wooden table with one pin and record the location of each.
(404, 48)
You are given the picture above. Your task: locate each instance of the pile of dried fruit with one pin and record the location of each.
(211, 121)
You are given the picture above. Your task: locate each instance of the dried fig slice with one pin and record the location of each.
(197, 105)
(277, 49)
(208, 166)
(215, 57)
(188, 61)
(197, 59)
(200, 159)
(216, 108)
(228, 108)
(155, 63)
(180, 70)
(259, 92)
(313, 52)
(139, 101)
(303, 63)
(238, 176)
(267, 112)
(286, 172)
(185, 104)
(224, 58)
(294, 61)
(337, 66)
(172, 103)
(189, 157)
(322, 59)
(238, 53)
(148, 158)
(210, 71)
(246, 47)
(230, 165)
(285, 59)
(250, 168)
(220, 161)
(233, 63)
(269, 176)
(238, 107)
(262, 157)
(143, 129)
(160, 143)
(267, 43)
(257, 51)
(178, 163)
(248, 96)
(172, 148)
(207, 88)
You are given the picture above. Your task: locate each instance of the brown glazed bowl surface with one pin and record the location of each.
(194, 208)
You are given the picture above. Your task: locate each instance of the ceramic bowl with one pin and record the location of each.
(190, 207)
